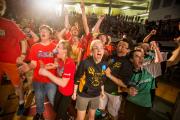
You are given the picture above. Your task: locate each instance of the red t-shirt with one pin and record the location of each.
(68, 36)
(86, 45)
(30, 42)
(55, 41)
(68, 68)
(10, 37)
(109, 49)
(42, 53)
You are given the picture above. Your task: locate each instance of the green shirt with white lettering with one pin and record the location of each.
(144, 82)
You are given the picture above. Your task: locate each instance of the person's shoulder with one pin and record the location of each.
(144, 70)
(7, 21)
(89, 60)
(53, 43)
(36, 45)
(126, 58)
(70, 61)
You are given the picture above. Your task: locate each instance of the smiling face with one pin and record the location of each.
(97, 50)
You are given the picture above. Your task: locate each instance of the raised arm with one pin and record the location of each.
(175, 58)
(66, 20)
(34, 36)
(96, 27)
(61, 34)
(146, 39)
(84, 18)
(158, 55)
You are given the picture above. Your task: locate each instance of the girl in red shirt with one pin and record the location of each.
(64, 79)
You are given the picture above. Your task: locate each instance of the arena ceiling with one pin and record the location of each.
(132, 4)
(113, 7)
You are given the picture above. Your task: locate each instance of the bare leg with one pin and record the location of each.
(81, 115)
(92, 114)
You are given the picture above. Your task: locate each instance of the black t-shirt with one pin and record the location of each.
(121, 68)
(90, 77)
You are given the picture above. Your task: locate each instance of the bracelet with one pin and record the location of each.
(23, 53)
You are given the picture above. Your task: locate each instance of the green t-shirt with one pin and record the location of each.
(150, 55)
(144, 82)
(148, 58)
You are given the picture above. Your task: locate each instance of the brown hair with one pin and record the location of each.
(67, 46)
(47, 27)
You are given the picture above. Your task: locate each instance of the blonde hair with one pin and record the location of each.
(95, 42)
(3, 2)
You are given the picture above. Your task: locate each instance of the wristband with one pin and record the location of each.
(23, 53)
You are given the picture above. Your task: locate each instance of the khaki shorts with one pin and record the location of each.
(82, 103)
(113, 102)
(12, 71)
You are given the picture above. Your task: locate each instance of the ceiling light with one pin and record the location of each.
(93, 5)
(125, 7)
(144, 14)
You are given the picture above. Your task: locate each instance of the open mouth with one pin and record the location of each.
(43, 35)
(75, 32)
(99, 54)
(140, 63)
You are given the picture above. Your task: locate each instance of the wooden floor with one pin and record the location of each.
(9, 101)
(167, 92)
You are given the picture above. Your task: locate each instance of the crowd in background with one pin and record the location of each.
(73, 56)
(115, 26)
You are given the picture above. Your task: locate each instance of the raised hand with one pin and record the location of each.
(153, 45)
(153, 32)
(102, 17)
(82, 6)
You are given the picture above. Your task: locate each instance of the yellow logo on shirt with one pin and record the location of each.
(91, 70)
(117, 65)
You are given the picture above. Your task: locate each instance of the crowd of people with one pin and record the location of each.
(79, 62)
